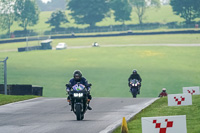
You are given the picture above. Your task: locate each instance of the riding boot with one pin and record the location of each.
(138, 90)
(88, 107)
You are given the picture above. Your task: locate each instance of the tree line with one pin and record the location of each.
(26, 12)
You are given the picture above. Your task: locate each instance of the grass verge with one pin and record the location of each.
(5, 99)
(161, 108)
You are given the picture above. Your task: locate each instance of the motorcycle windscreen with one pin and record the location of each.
(78, 87)
(134, 81)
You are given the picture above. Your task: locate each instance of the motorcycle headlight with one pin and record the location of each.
(134, 84)
(78, 94)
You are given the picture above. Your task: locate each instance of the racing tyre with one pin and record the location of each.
(78, 112)
(134, 93)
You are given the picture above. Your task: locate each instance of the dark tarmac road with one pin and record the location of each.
(53, 115)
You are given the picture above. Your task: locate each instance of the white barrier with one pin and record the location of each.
(164, 124)
(179, 99)
(191, 90)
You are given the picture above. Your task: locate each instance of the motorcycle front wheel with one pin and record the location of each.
(78, 112)
(134, 93)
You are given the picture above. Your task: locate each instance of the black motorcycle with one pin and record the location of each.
(134, 87)
(79, 100)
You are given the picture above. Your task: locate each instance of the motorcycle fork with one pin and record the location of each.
(79, 102)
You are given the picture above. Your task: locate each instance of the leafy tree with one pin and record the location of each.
(196, 8)
(57, 17)
(6, 14)
(123, 12)
(88, 11)
(187, 9)
(26, 13)
(140, 7)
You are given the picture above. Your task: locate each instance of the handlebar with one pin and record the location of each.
(68, 85)
(89, 85)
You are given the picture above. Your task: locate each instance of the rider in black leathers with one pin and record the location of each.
(135, 75)
(79, 79)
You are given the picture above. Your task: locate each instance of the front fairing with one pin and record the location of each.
(79, 95)
(134, 83)
(78, 87)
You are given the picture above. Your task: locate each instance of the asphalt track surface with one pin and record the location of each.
(53, 115)
(120, 45)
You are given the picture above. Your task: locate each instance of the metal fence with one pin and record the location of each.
(111, 28)
(3, 73)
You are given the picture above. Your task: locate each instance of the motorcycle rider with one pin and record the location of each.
(135, 75)
(79, 79)
(163, 93)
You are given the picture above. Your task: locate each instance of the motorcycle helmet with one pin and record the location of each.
(134, 71)
(77, 75)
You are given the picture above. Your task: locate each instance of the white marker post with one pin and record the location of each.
(179, 99)
(191, 90)
(164, 124)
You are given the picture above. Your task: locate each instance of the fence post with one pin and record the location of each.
(5, 75)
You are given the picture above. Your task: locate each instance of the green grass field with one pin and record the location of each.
(9, 99)
(108, 68)
(161, 108)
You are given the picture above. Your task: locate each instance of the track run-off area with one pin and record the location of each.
(53, 115)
